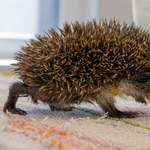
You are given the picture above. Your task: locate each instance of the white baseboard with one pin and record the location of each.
(6, 62)
(11, 43)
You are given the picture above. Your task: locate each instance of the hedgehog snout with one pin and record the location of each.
(147, 95)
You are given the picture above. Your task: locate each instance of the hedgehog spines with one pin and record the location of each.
(83, 56)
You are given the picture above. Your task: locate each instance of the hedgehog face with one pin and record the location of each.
(141, 79)
(147, 95)
(143, 87)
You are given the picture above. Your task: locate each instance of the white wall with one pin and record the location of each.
(19, 21)
(80, 10)
(83, 10)
(19, 16)
(141, 13)
(120, 9)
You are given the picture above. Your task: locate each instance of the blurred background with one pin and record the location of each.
(20, 20)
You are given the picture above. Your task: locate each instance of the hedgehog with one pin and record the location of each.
(84, 62)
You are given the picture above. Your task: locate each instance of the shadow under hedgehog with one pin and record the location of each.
(85, 62)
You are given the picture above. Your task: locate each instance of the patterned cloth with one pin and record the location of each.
(84, 128)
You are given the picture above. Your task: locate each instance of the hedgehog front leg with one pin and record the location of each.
(139, 98)
(107, 104)
(15, 90)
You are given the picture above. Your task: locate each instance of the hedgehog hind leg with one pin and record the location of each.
(15, 90)
(107, 104)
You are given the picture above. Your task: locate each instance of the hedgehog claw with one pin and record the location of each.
(124, 114)
(19, 111)
(14, 110)
(68, 108)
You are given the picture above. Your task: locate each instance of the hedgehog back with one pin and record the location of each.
(83, 56)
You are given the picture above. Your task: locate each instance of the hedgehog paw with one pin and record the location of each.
(124, 114)
(14, 110)
(66, 108)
